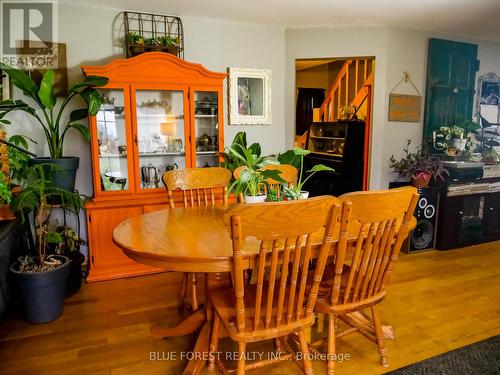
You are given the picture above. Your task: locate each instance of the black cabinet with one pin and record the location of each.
(468, 219)
(341, 146)
(492, 215)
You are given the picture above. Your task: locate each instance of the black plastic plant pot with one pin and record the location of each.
(74, 281)
(42, 293)
(66, 176)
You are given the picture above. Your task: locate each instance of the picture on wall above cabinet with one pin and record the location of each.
(249, 96)
(146, 32)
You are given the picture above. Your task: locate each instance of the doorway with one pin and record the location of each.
(332, 89)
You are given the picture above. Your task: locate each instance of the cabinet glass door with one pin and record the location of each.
(206, 125)
(112, 141)
(160, 134)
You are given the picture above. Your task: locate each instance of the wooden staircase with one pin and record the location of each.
(349, 88)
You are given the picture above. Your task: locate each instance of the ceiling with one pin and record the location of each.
(469, 18)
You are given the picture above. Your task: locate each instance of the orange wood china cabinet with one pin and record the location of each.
(159, 113)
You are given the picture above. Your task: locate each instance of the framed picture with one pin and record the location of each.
(249, 96)
(4, 86)
(490, 93)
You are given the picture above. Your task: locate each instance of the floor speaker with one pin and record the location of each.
(423, 237)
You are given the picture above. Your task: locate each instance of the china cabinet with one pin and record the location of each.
(159, 113)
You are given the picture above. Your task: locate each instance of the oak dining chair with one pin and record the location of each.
(200, 187)
(277, 304)
(288, 173)
(359, 281)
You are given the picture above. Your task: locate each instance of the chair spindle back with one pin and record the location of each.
(284, 230)
(199, 185)
(381, 220)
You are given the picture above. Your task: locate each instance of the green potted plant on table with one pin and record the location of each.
(53, 122)
(252, 175)
(40, 275)
(419, 167)
(295, 157)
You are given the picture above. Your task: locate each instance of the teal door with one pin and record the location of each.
(451, 75)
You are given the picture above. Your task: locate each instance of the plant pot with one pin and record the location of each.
(304, 194)
(459, 144)
(422, 180)
(255, 198)
(155, 48)
(42, 293)
(173, 50)
(64, 178)
(74, 281)
(136, 49)
(6, 212)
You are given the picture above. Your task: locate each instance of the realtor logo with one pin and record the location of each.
(29, 34)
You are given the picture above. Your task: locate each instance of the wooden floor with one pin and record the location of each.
(437, 301)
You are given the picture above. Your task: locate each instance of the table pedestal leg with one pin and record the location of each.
(201, 348)
(189, 325)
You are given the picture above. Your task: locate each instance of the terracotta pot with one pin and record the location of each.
(422, 180)
(6, 212)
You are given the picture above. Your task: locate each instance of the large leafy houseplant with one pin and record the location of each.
(234, 156)
(52, 121)
(52, 118)
(295, 157)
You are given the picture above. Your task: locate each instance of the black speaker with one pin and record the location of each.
(423, 237)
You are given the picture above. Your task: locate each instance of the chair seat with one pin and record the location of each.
(224, 304)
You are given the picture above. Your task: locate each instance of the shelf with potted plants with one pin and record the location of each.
(138, 44)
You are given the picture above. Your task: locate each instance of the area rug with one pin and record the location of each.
(481, 358)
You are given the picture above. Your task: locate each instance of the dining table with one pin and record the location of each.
(196, 239)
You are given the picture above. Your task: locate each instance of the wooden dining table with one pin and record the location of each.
(195, 239)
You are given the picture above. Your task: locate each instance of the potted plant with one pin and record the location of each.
(235, 159)
(40, 275)
(295, 157)
(419, 167)
(53, 122)
(252, 183)
(169, 44)
(456, 136)
(253, 176)
(5, 198)
(136, 43)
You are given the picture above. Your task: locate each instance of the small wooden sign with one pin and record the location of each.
(405, 108)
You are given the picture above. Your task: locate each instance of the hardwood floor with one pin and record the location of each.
(437, 301)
